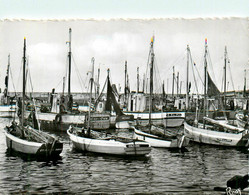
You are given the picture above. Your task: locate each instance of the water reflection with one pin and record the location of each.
(196, 170)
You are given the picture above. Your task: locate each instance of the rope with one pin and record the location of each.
(79, 77)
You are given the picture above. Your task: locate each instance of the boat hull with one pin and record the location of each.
(156, 141)
(7, 111)
(110, 146)
(167, 119)
(208, 136)
(32, 148)
(124, 121)
(59, 122)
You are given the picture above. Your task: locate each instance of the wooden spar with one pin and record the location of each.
(144, 83)
(98, 82)
(205, 83)
(137, 79)
(63, 88)
(177, 84)
(90, 99)
(217, 122)
(23, 85)
(180, 88)
(151, 80)
(225, 75)
(173, 81)
(187, 82)
(7, 81)
(125, 88)
(245, 84)
(69, 63)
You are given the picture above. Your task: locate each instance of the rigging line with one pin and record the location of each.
(178, 59)
(191, 60)
(78, 74)
(20, 71)
(66, 77)
(229, 67)
(33, 99)
(159, 78)
(222, 80)
(60, 81)
(27, 72)
(210, 64)
(28, 76)
(101, 94)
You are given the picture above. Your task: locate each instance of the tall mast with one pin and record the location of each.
(144, 83)
(225, 75)
(24, 81)
(98, 82)
(151, 77)
(205, 81)
(7, 78)
(137, 79)
(125, 88)
(173, 81)
(63, 88)
(69, 63)
(245, 84)
(177, 83)
(187, 82)
(90, 99)
(180, 88)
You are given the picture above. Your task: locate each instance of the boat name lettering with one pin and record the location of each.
(175, 114)
(99, 118)
(224, 140)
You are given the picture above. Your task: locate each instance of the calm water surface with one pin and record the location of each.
(195, 171)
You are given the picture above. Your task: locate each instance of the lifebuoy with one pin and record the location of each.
(58, 118)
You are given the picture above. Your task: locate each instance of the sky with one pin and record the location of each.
(115, 31)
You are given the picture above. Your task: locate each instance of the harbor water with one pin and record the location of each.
(196, 170)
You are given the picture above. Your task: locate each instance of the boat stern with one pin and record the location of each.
(137, 148)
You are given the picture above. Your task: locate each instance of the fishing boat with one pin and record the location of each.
(27, 140)
(154, 135)
(122, 121)
(242, 117)
(136, 104)
(88, 140)
(107, 145)
(8, 103)
(61, 112)
(212, 131)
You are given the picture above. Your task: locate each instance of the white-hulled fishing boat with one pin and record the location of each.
(161, 140)
(27, 140)
(214, 131)
(8, 106)
(211, 135)
(32, 142)
(156, 136)
(168, 119)
(108, 145)
(86, 139)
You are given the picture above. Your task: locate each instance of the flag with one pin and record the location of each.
(152, 39)
(205, 41)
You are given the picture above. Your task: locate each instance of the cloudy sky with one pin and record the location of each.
(113, 41)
